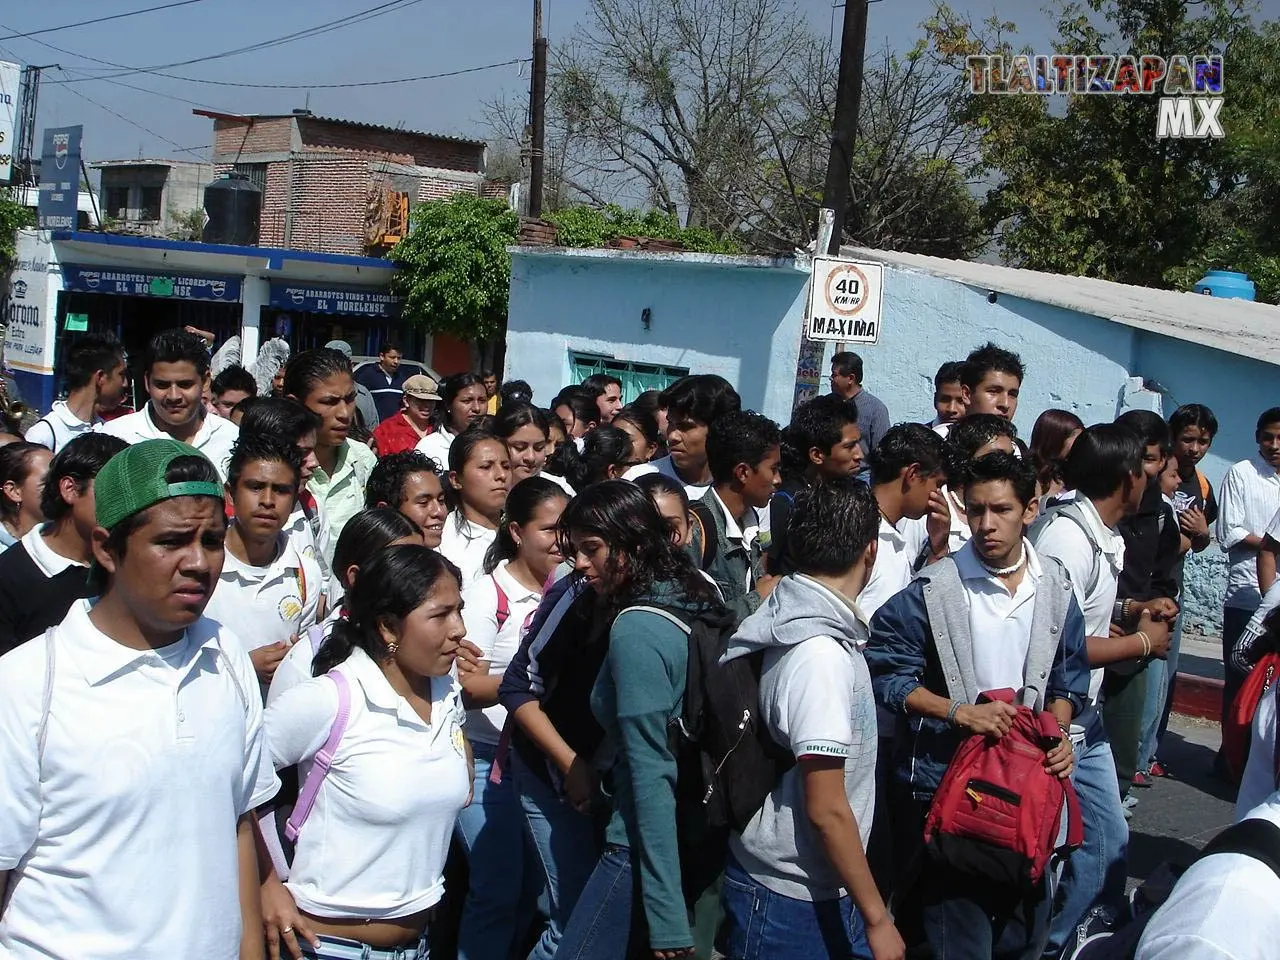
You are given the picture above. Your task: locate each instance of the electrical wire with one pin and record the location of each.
(362, 83)
(85, 23)
(134, 123)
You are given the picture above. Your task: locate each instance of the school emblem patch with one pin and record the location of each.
(290, 608)
(459, 740)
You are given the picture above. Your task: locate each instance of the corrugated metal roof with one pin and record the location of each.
(1242, 327)
(364, 126)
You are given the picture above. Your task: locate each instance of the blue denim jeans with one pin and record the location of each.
(1095, 873)
(336, 948)
(763, 925)
(498, 908)
(607, 922)
(1160, 674)
(564, 844)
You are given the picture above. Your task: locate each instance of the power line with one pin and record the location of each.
(156, 93)
(364, 83)
(313, 31)
(85, 23)
(134, 123)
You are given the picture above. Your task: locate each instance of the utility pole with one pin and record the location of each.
(844, 127)
(24, 150)
(537, 112)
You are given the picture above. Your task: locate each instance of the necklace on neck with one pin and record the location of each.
(1005, 571)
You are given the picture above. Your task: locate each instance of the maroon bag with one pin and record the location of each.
(997, 813)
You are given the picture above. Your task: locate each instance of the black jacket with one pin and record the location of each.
(1151, 546)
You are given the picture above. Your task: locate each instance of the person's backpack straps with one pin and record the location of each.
(315, 636)
(1205, 490)
(323, 759)
(1071, 510)
(1253, 837)
(50, 659)
(504, 604)
(707, 531)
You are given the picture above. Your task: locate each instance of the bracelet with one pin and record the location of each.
(1146, 643)
(951, 714)
(1126, 610)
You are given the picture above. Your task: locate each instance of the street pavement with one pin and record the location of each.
(1180, 813)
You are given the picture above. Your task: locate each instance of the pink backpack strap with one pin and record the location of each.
(323, 759)
(504, 605)
(315, 634)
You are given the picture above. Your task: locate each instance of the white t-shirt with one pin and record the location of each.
(266, 605)
(898, 548)
(375, 843)
(215, 438)
(466, 543)
(1259, 780)
(499, 643)
(436, 446)
(122, 838)
(1223, 908)
(999, 623)
(59, 428)
(1094, 576)
(666, 466)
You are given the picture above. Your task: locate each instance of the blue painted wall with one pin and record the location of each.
(743, 323)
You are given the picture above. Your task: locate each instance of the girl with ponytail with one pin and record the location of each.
(521, 560)
(369, 864)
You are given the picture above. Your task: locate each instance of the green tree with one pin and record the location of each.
(586, 226)
(13, 217)
(453, 267)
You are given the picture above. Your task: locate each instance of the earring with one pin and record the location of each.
(517, 542)
(392, 647)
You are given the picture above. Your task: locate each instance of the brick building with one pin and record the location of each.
(338, 186)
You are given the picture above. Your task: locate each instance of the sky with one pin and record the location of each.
(424, 37)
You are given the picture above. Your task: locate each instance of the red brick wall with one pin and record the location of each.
(434, 188)
(262, 136)
(396, 146)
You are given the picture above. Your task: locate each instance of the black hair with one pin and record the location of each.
(820, 423)
(263, 448)
(459, 453)
(1268, 417)
(650, 402)
(310, 367)
(177, 346)
(950, 372)
(703, 397)
(598, 382)
(999, 465)
(522, 503)
(904, 445)
(89, 354)
(1150, 428)
(366, 535)
(659, 483)
(514, 391)
(278, 416)
(15, 468)
(387, 346)
(643, 420)
(395, 583)
(741, 437)
(195, 468)
(242, 406)
(1192, 415)
(387, 479)
(488, 372)
(581, 403)
(80, 460)
(604, 447)
(1101, 459)
(1048, 437)
(235, 378)
(512, 416)
(641, 553)
(974, 431)
(847, 363)
(450, 387)
(989, 358)
(832, 524)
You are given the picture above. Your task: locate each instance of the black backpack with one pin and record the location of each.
(727, 763)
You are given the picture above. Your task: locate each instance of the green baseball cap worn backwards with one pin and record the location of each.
(133, 480)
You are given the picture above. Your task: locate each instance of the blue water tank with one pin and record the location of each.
(1226, 283)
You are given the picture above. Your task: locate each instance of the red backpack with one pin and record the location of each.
(1237, 730)
(997, 813)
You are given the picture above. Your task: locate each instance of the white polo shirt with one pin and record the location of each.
(1094, 577)
(898, 548)
(122, 838)
(666, 466)
(47, 560)
(734, 532)
(999, 622)
(296, 667)
(215, 438)
(59, 427)
(1223, 908)
(465, 544)
(265, 605)
(436, 445)
(375, 844)
(1248, 500)
(480, 614)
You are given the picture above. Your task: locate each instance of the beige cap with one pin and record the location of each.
(421, 387)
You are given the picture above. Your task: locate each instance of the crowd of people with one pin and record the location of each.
(377, 667)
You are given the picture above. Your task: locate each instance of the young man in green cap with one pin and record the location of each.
(131, 747)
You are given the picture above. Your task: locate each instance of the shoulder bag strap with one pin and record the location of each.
(1072, 513)
(323, 759)
(664, 614)
(707, 524)
(1255, 838)
(50, 659)
(1204, 486)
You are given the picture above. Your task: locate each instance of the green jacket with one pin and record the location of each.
(733, 566)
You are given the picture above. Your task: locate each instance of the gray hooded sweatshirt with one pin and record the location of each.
(816, 699)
